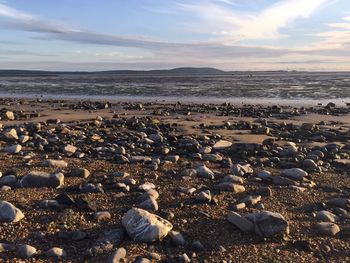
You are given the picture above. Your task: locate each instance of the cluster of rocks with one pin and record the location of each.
(205, 169)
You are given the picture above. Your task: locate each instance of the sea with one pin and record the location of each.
(236, 87)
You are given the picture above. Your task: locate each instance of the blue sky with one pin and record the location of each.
(148, 34)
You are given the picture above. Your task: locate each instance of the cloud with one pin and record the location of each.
(48, 30)
(241, 25)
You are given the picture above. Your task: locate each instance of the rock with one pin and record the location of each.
(42, 179)
(233, 179)
(265, 175)
(143, 226)
(326, 216)
(10, 213)
(69, 149)
(13, 149)
(230, 187)
(10, 135)
(80, 172)
(147, 186)
(268, 224)
(172, 158)
(102, 216)
(212, 157)
(339, 202)
(55, 163)
(10, 115)
(197, 246)
(117, 256)
(279, 180)
(205, 172)
(251, 200)
(326, 229)
(56, 252)
(149, 204)
(25, 251)
(23, 138)
(176, 238)
(240, 170)
(310, 164)
(221, 145)
(204, 196)
(240, 222)
(7, 247)
(294, 174)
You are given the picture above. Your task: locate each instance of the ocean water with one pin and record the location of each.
(259, 87)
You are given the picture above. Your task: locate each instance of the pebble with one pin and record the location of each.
(25, 251)
(326, 229)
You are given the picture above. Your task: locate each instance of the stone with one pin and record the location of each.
(251, 200)
(294, 174)
(265, 175)
(309, 164)
(10, 135)
(55, 163)
(56, 252)
(10, 115)
(326, 229)
(197, 246)
(80, 172)
(24, 138)
(279, 180)
(41, 179)
(102, 216)
(149, 204)
(233, 179)
(176, 238)
(143, 226)
(117, 256)
(221, 145)
(205, 172)
(172, 158)
(13, 149)
(241, 169)
(10, 213)
(7, 247)
(326, 216)
(147, 186)
(230, 187)
(240, 222)
(69, 149)
(25, 251)
(204, 196)
(212, 157)
(339, 202)
(268, 224)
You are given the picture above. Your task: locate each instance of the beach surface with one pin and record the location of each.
(229, 183)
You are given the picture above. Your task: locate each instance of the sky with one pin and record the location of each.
(98, 35)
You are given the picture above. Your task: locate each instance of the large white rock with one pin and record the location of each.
(10, 213)
(143, 226)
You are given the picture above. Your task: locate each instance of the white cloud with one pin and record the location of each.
(240, 25)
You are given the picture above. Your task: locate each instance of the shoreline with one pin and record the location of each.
(239, 101)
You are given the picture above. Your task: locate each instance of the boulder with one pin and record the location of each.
(42, 179)
(143, 226)
(10, 213)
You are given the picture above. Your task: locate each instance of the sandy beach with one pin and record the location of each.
(227, 183)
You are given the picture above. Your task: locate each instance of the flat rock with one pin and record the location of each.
(222, 144)
(294, 174)
(143, 226)
(269, 224)
(240, 222)
(55, 163)
(230, 187)
(41, 179)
